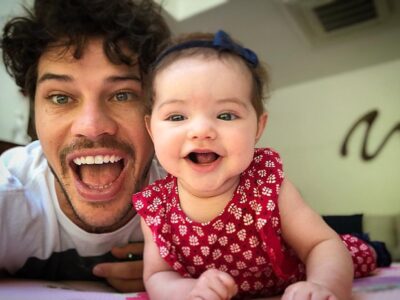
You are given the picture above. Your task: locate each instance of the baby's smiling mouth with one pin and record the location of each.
(98, 172)
(203, 157)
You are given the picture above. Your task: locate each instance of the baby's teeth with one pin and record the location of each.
(106, 158)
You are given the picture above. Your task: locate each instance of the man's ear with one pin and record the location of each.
(262, 121)
(147, 123)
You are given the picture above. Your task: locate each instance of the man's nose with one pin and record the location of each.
(202, 128)
(93, 120)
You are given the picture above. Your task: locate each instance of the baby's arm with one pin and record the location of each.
(329, 267)
(162, 282)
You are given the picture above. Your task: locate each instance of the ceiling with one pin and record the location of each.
(292, 54)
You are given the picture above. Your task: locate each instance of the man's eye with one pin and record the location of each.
(227, 117)
(175, 118)
(59, 99)
(125, 96)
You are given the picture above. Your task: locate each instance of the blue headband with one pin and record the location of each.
(221, 41)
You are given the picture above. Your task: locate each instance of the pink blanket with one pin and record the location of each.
(384, 284)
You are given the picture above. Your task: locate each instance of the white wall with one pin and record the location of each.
(308, 121)
(321, 90)
(307, 124)
(14, 108)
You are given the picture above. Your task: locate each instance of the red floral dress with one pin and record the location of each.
(244, 240)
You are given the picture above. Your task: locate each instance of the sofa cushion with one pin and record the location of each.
(343, 224)
(382, 228)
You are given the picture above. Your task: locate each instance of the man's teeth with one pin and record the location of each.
(97, 159)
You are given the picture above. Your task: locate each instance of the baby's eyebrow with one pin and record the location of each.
(234, 101)
(171, 101)
(230, 100)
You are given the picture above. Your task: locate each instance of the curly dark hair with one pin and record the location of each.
(137, 25)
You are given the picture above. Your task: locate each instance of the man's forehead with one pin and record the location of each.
(59, 59)
(65, 51)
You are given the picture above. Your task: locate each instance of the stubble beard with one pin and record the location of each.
(83, 221)
(80, 219)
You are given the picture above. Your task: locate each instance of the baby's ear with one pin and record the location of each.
(262, 121)
(147, 119)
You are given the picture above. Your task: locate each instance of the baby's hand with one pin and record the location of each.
(214, 285)
(307, 290)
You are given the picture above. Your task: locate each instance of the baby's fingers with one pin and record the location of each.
(306, 290)
(229, 284)
(219, 283)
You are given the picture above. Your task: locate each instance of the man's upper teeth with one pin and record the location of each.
(97, 159)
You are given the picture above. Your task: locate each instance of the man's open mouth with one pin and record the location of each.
(203, 157)
(98, 172)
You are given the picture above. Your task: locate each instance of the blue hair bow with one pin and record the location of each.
(221, 41)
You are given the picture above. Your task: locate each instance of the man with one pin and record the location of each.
(65, 200)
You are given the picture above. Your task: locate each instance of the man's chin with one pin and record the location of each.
(99, 218)
(94, 213)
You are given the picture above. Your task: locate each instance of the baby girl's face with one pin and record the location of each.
(203, 124)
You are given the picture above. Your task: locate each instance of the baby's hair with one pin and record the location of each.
(203, 44)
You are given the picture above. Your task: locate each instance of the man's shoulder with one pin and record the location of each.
(21, 164)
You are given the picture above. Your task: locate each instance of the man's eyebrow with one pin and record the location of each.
(124, 78)
(52, 76)
(67, 78)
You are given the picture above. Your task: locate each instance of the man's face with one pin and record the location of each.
(89, 119)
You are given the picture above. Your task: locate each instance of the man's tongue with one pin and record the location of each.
(100, 175)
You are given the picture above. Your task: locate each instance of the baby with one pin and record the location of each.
(226, 222)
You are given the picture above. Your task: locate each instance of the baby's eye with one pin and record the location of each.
(175, 118)
(227, 116)
(125, 96)
(59, 99)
